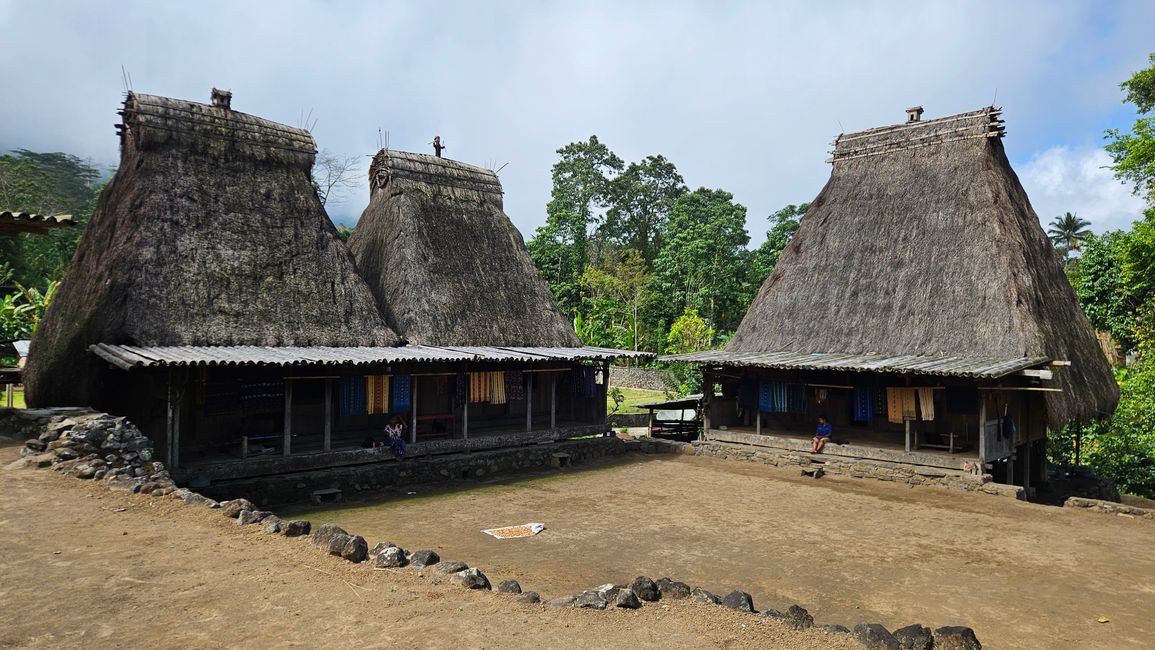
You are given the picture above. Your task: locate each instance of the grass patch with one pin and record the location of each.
(635, 396)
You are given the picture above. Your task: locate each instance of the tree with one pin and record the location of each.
(611, 299)
(689, 333)
(704, 263)
(640, 199)
(334, 173)
(1067, 234)
(1101, 284)
(50, 184)
(1133, 154)
(561, 247)
(783, 224)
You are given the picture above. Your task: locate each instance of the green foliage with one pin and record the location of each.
(51, 184)
(1122, 447)
(689, 333)
(581, 186)
(704, 265)
(783, 224)
(1133, 154)
(343, 232)
(618, 397)
(21, 310)
(640, 200)
(1067, 233)
(1101, 285)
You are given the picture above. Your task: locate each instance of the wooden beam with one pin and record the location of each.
(1041, 373)
(328, 442)
(553, 403)
(288, 441)
(907, 422)
(529, 404)
(1059, 363)
(1034, 389)
(413, 409)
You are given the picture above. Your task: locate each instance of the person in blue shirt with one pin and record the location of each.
(821, 435)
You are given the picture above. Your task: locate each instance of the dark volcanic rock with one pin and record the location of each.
(873, 636)
(196, 499)
(590, 600)
(529, 597)
(699, 595)
(627, 599)
(914, 637)
(470, 579)
(799, 618)
(450, 566)
(273, 525)
(325, 534)
(564, 601)
(739, 600)
(423, 558)
(509, 587)
(232, 509)
(673, 589)
(956, 637)
(253, 516)
(295, 528)
(356, 549)
(390, 557)
(380, 546)
(835, 629)
(645, 589)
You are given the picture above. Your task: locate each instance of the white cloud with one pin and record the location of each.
(1061, 179)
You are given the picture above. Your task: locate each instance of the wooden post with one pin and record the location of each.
(982, 431)
(529, 403)
(328, 442)
(758, 421)
(553, 402)
(907, 422)
(650, 425)
(707, 397)
(169, 413)
(413, 408)
(10, 392)
(465, 419)
(175, 461)
(605, 407)
(288, 442)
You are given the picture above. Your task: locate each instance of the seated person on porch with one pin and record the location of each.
(395, 436)
(821, 435)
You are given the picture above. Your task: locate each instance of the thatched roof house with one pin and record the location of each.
(444, 261)
(924, 243)
(210, 234)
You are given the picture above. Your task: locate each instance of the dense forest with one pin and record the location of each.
(640, 261)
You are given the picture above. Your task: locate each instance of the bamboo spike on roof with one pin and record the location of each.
(210, 233)
(923, 242)
(444, 261)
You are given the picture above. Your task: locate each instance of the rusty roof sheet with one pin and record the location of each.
(14, 223)
(130, 356)
(975, 367)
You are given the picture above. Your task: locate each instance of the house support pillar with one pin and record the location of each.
(553, 402)
(529, 403)
(328, 442)
(288, 440)
(907, 422)
(465, 411)
(413, 409)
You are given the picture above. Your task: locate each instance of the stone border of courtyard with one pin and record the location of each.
(100, 447)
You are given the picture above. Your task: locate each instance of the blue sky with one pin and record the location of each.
(743, 96)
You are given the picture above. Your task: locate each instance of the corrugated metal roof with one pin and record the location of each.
(979, 367)
(12, 223)
(130, 356)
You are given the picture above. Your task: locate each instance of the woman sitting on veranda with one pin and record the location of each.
(395, 436)
(821, 435)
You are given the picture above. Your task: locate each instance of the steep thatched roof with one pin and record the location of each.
(210, 234)
(444, 261)
(923, 242)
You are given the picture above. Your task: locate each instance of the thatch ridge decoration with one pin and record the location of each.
(934, 251)
(208, 235)
(983, 123)
(445, 263)
(153, 122)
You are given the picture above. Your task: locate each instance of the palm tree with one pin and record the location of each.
(1068, 232)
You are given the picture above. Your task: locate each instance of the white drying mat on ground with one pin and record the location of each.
(510, 532)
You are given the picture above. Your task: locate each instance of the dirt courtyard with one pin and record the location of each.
(849, 551)
(85, 567)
